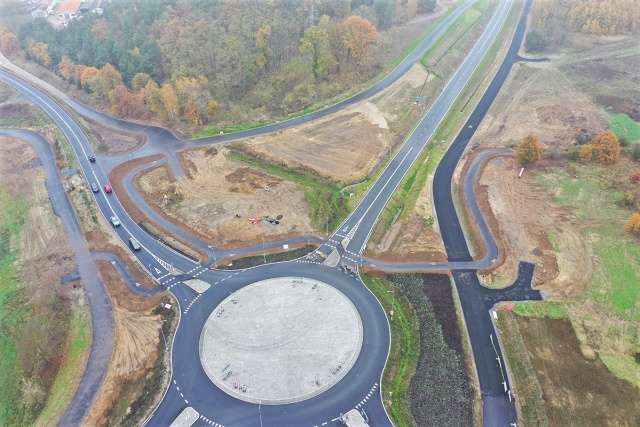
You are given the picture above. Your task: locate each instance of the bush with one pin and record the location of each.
(635, 151)
(535, 42)
(634, 178)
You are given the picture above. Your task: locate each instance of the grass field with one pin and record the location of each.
(625, 128)
(12, 215)
(589, 194)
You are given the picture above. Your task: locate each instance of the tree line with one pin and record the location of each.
(554, 19)
(216, 60)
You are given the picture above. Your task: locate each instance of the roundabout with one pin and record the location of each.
(281, 340)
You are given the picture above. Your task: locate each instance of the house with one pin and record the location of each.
(40, 11)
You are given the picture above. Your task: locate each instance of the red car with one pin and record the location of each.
(107, 188)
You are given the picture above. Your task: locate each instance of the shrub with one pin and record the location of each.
(606, 148)
(634, 178)
(535, 42)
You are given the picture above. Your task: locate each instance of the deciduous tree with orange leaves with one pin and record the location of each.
(10, 42)
(606, 148)
(530, 150)
(633, 223)
(586, 153)
(359, 35)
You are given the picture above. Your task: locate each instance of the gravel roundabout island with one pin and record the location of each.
(281, 340)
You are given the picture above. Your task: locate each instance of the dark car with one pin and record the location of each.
(91, 158)
(94, 187)
(107, 188)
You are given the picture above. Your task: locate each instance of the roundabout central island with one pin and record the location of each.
(281, 340)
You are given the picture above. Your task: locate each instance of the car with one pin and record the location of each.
(135, 245)
(115, 221)
(95, 188)
(91, 158)
(107, 188)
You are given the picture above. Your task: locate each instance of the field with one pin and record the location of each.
(565, 385)
(36, 381)
(574, 357)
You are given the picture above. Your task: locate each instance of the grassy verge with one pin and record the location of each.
(255, 260)
(404, 353)
(64, 386)
(469, 19)
(65, 151)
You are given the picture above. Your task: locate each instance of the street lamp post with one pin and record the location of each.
(354, 200)
(264, 254)
(393, 300)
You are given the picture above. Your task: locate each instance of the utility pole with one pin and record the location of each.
(393, 300)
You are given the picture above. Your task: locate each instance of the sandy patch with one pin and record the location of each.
(217, 189)
(344, 147)
(541, 99)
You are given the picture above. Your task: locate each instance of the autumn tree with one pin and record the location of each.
(40, 51)
(265, 54)
(139, 81)
(633, 223)
(586, 153)
(170, 103)
(193, 98)
(10, 43)
(87, 74)
(359, 36)
(634, 178)
(212, 109)
(529, 150)
(316, 43)
(105, 80)
(606, 148)
(67, 68)
(125, 103)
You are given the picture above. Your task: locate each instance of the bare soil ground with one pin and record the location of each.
(577, 391)
(137, 337)
(112, 141)
(217, 189)
(553, 101)
(343, 147)
(529, 226)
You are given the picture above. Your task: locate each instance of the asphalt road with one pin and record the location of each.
(360, 388)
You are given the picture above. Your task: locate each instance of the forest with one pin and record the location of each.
(217, 62)
(556, 18)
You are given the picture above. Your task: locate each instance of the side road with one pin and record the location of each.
(103, 331)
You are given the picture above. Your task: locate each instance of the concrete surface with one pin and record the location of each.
(281, 340)
(186, 418)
